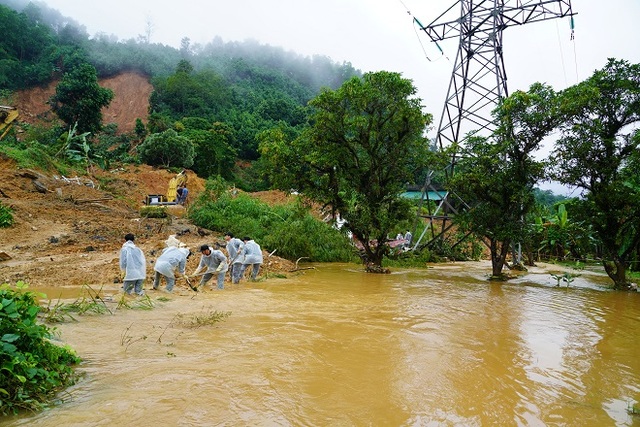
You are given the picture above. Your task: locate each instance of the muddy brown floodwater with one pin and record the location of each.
(338, 347)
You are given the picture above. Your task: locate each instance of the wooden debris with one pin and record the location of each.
(99, 199)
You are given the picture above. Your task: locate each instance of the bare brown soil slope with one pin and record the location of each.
(69, 232)
(130, 101)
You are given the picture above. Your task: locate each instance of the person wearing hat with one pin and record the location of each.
(215, 263)
(172, 258)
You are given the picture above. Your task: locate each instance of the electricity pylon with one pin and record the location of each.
(479, 79)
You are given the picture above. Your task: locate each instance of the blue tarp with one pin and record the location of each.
(433, 195)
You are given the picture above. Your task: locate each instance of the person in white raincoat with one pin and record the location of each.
(215, 263)
(234, 249)
(172, 258)
(408, 237)
(252, 257)
(134, 266)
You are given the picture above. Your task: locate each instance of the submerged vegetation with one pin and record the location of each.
(206, 317)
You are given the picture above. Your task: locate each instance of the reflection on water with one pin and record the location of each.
(339, 347)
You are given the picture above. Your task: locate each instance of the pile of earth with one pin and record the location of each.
(67, 231)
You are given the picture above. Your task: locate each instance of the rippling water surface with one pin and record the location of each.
(335, 346)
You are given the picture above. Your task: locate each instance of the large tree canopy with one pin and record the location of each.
(598, 153)
(167, 149)
(79, 98)
(364, 145)
(496, 176)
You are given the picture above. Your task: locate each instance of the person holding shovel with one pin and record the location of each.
(252, 257)
(215, 263)
(172, 258)
(234, 249)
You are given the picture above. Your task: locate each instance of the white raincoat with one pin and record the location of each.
(171, 258)
(215, 262)
(252, 253)
(234, 248)
(132, 262)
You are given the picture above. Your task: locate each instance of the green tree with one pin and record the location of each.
(364, 144)
(25, 48)
(140, 129)
(213, 153)
(187, 93)
(496, 176)
(561, 235)
(79, 99)
(598, 153)
(167, 149)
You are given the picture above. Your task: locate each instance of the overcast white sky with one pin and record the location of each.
(378, 35)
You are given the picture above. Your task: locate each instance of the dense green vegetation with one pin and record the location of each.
(33, 368)
(497, 176)
(220, 95)
(363, 146)
(262, 118)
(290, 230)
(597, 152)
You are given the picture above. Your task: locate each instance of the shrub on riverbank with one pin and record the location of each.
(32, 368)
(289, 229)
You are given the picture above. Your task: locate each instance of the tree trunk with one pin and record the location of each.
(516, 256)
(617, 271)
(372, 258)
(498, 258)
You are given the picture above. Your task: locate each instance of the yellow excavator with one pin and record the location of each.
(7, 116)
(174, 183)
(172, 191)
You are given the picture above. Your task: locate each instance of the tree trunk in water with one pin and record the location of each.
(372, 259)
(617, 271)
(498, 257)
(516, 256)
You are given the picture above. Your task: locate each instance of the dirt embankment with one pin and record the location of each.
(68, 230)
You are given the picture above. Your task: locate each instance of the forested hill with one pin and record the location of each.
(220, 96)
(36, 39)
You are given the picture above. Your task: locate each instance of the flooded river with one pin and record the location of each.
(337, 347)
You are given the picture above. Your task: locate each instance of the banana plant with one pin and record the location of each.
(557, 232)
(76, 147)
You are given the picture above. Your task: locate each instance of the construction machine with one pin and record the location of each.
(7, 116)
(172, 191)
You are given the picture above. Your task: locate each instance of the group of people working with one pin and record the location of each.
(408, 237)
(243, 254)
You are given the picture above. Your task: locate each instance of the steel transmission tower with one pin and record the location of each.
(479, 78)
